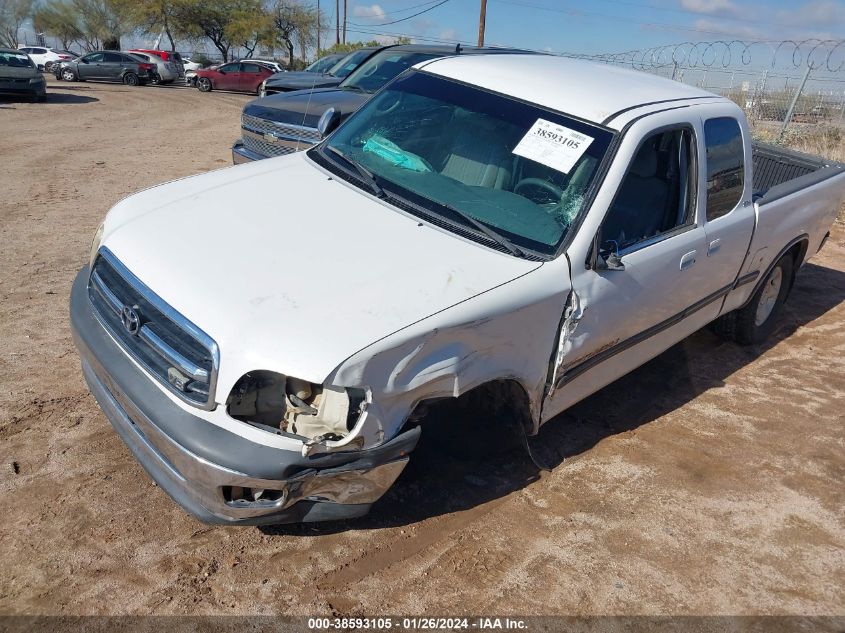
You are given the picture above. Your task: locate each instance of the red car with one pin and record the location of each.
(240, 76)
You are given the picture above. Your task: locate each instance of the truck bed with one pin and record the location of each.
(779, 172)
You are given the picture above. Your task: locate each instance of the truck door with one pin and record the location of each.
(637, 279)
(726, 195)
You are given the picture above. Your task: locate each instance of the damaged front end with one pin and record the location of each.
(222, 475)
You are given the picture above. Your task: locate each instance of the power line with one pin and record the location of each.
(439, 4)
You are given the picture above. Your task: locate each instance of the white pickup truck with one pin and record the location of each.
(265, 337)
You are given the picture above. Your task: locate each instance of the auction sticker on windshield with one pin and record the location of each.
(553, 145)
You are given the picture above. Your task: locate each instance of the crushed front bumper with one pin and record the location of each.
(197, 462)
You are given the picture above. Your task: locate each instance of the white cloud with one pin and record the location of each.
(709, 7)
(820, 13)
(371, 11)
(733, 29)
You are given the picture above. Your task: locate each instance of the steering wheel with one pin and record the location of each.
(391, 106)
(552, 191)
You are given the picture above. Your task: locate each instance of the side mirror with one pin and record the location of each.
(611, 261)
(83, 60)
(328, 122)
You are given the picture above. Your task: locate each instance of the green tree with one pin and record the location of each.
(13, 13)
(156, 16)
(58, 19)
(354, 46)
(223, 22)
(94, 24)
(294, 24)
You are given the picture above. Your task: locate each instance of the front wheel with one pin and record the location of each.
(68, 75)
(130, 79)
(204, 84)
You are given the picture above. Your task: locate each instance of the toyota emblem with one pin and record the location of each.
(130, 319)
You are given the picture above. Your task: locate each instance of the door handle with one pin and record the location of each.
(715, 245)
(688, 260)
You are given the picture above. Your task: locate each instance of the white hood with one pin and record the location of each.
(291, 271)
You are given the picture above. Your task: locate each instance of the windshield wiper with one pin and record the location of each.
(362, 171)
(491, 233)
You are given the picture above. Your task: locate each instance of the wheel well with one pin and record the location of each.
(503, 400)
(798, 251)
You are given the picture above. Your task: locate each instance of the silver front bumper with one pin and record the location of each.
(323, 487)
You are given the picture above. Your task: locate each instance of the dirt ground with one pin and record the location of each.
(711, 480)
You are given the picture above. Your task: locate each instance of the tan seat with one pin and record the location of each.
(483, 164)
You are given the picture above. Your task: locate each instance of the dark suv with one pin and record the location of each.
(287, 122)
(109, 65)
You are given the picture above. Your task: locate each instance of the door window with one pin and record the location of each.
(250, 68)
(725, 165)
(229, 68)
(657, 193)
(113, 58)
(94, 58)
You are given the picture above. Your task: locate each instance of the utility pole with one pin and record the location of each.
(318, 29)
(337, 22)
(344, 21)
(482, 20)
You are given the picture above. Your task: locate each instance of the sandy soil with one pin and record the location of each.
(709, 481)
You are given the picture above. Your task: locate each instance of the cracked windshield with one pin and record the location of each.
(512, 171)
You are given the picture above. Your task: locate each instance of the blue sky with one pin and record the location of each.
(598, 26)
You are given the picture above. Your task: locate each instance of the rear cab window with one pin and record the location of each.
(725, 165)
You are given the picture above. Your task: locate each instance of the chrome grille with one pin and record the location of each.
(275, 139)
(180, 355)
(265, 148)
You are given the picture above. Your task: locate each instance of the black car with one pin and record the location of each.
(308, 79)
(108, 65)
(287, 122)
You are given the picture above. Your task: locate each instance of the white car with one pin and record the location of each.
(44, 57)
(274, 66)
(512, 231)
(190, 65)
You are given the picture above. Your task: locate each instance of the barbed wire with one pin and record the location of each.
(816, 54)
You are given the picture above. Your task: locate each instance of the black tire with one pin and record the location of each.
(204, 84)
(131, 79)
(756, 321)
(68, 75)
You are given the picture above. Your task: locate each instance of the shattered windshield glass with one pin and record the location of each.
(520, 170)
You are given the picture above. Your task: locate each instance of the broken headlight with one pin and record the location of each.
(279, 403)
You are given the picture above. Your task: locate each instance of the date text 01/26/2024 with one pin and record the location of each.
(417, 623)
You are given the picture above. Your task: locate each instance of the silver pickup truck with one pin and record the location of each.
(529, 226)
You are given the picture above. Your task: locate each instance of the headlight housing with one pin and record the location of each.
(95, 245)
(275, 402)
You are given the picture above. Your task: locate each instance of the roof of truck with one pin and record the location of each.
(587, 90)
